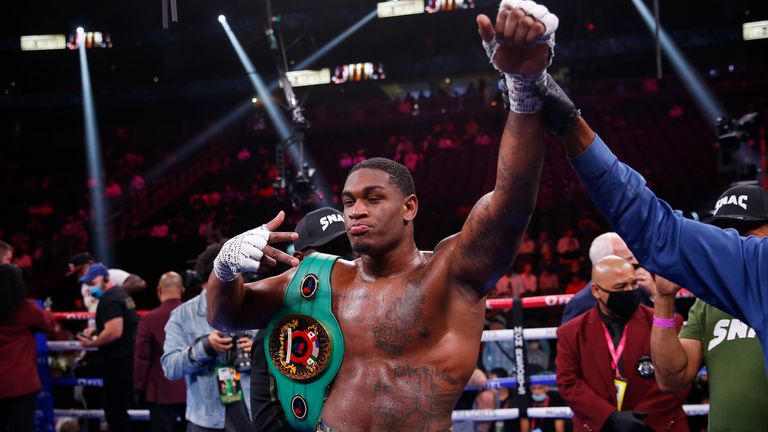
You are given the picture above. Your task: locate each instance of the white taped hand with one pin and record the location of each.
(520, 88)
(540, 13)
(241, 253)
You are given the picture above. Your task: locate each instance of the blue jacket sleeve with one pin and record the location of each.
(182, 354)
(725, 270)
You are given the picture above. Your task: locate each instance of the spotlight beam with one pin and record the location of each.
(701, 94)
(191, 146)
(333, 43)
(281, 124)
(100, 230)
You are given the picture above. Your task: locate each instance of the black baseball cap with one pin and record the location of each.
(79, 260)
(319, 227)
(742, 203)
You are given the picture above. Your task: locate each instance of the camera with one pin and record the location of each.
(240, 359)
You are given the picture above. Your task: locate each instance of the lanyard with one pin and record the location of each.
(616, 352)
(543, 404)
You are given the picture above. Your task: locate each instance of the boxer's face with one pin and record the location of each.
(375, 211)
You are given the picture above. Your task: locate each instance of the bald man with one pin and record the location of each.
(166, 398)
(604, 367)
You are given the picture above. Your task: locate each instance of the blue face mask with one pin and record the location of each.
(95, 291)
(539, 397)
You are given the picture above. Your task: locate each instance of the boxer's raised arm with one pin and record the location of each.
(232, 304)
(491, 235)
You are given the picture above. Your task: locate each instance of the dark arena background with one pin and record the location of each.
(143, 131)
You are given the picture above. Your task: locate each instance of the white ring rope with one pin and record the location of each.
(488, 336)
(461, 415)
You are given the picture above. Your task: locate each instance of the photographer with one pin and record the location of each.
(215, 365)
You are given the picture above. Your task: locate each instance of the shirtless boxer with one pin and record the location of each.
(411, 320)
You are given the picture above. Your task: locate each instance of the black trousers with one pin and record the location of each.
(162, 417)
(236, 419)
(118, 392)
(18, 413)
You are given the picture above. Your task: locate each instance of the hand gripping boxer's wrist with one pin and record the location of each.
(250, 251)
(520, 45)
(559, 111)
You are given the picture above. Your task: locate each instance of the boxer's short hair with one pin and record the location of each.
(398, 174)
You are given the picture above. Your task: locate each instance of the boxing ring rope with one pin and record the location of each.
(548, 412)
(459, 415)
(491, 383)
(550, 300)
(499, 303)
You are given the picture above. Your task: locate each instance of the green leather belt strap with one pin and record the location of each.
(304, 343)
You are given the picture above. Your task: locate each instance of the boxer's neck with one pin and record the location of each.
(394, 263)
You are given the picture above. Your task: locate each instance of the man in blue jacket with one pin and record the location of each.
(218, 395)
(724, 269)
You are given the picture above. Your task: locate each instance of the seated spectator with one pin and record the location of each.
(542, 396)
(411, 161)
(528, 281)
(544, 243)
(538, 353)
(527, 249)
(499, 354)
(503, 398)
(445, 142)
(482, 139)
(547, 259)
(575, 284)
(113, 189)
(549, 282)
(568, 247)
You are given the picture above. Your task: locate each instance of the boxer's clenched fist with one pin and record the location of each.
(520, 44)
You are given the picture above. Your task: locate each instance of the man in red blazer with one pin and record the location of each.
(604, 367)
(166, 399)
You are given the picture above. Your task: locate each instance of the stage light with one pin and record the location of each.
(254, 100)
(222, 18)
(80, 30)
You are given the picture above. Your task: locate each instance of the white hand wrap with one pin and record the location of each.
(539, 13)
(241, 253)
(520, 88)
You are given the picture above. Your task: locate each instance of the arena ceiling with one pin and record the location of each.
(193, 58)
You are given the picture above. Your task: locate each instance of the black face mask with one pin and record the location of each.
(622, 303)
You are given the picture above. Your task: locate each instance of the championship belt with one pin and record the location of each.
(304, 343)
